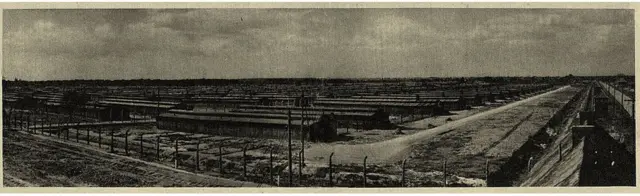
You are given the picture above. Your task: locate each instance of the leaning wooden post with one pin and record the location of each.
(331, 170)
(403, 181)
(529, 164)
(364, 172)
(444, 172)
(290, 154)
(560, 152)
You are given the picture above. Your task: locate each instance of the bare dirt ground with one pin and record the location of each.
(468, 147)
(34, 160)
(397, 149)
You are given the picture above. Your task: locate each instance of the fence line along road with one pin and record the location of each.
(620, 97)
(91, 124)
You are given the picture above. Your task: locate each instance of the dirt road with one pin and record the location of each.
(34, 160)
(397, 149)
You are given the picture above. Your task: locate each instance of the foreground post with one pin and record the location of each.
(403, 182)
(271, 165)
(158, 148)
(198, 155)
(100, 137)
(444, 172)
(78, 135)
(300, 167)
(220, 158)
(560, 152)
(290, 155)
(175, 156)
(111, 145)
(88, 140)
(141, 147)
(364, 171)
(244, 162)
(330, 170)
(486, 178)
(529, 164)
(126, 143)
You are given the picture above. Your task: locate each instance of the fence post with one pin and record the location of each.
(198, 155)
(244, 162)
(403, 181)
(290, 154)
(444, 172)
(175, 155)
(126, 142)
(300, 167)
(331, 170)
(78, 135)
(364, 171)
(141, 146)
(271, 164)
(88, 140)
(100, 137)
(158, 148)
(486, 178)
(529, 164)
(560, 152)
(111, 145)
(220, 159)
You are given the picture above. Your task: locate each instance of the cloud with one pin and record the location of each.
(238, 43)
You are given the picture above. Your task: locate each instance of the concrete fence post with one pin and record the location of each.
(444, 173)
(300, 167)
(78, 134)
(126, 142)
(289, 144)
(100, 137)
(88, 140)
(220, 159)
(141, 146)
(197, 155)
(271, 164)
(244, 162)
(487, 172)
(364, 171)
(158, 148)
(112, 141)
(331, 170)
(403, 179)
(176, 154)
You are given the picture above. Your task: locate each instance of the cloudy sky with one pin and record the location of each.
(264, 43)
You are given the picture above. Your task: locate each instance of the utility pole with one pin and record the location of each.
(290, 155)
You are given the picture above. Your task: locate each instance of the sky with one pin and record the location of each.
(320, 43)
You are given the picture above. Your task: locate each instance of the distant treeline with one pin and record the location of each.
(297, 81)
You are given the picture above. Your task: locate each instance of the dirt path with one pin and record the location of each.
(397, 149)
(33, 160)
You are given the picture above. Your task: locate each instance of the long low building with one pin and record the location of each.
(345, 117)
(239, 125)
